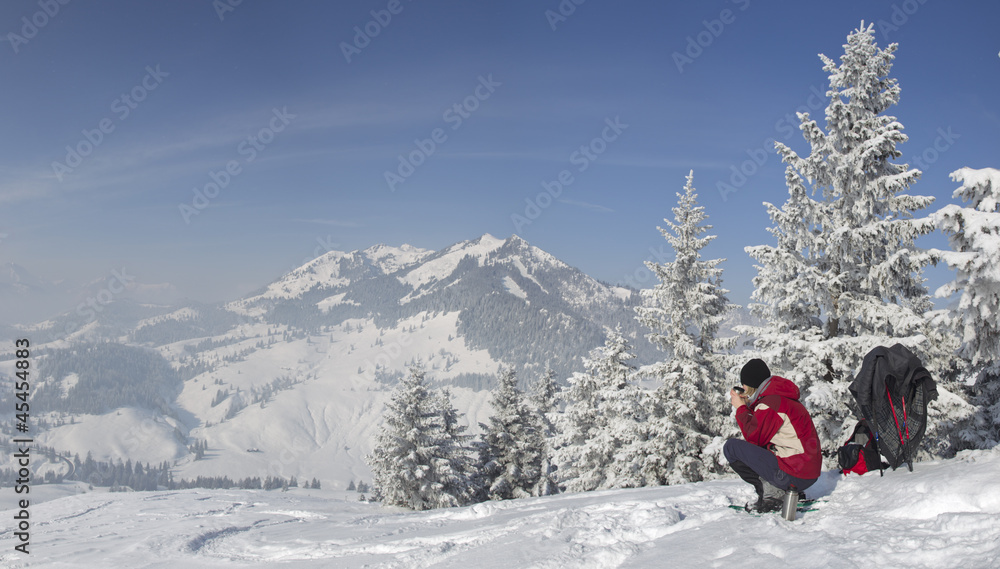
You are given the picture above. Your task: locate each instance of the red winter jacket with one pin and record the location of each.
(777, 421)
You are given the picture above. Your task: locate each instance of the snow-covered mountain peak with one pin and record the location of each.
(441, 265)
(17, 276)
(326, 259)
(516, 242)
(413, 266)
(391, 259)
(323, 270)
(516, 245)
(327, 271)
(488, 240)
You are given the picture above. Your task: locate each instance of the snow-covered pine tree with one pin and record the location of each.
(684, 311)
(600, 445)
(579, 423)
(412, 462)
(974, 235)
(455, 468)
(542, 401)
(624, 408)
(845, 276)
(511, 449)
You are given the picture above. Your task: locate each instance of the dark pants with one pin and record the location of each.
(753, 463)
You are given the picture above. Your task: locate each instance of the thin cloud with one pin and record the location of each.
(331, 222)
(586, 205)
(191, 150)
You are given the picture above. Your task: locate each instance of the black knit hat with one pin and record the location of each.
(754, 373)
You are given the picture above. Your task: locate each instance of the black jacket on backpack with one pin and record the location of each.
(892, 390)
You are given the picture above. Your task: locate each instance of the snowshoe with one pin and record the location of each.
(764, 506)
(803, 506)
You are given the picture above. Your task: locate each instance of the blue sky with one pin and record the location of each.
(164, 97)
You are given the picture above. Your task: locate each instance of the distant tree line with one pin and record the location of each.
(110, 376)
(208, 321)
(139, 477)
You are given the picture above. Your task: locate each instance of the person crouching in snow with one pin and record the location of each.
(781, 452)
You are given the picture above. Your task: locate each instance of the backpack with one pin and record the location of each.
(860, 453)
(892, 390)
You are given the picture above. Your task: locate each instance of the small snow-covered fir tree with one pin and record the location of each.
(974, 235)
(579, 423)
(543, 401)
(845, 275)
(415, 461)
(453, 464)
(600, 446)
(512, 445)
(684, 312)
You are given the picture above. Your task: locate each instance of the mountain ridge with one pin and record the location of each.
(300, 368)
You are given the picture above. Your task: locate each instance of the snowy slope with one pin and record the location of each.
(442, 264)
(944, 514)
(138, 434)
(186, 313)
(320, 426)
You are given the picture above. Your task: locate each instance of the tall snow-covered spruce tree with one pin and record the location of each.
(845, 275)
(684, 311)
(512, 447)
(974, 235)
(600, 444)
(419, 460)
(543, 401)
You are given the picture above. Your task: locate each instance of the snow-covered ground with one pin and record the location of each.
(944, 514)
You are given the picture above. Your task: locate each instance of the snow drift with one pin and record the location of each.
(944, 514)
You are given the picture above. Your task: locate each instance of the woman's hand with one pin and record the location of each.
(736, 398)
